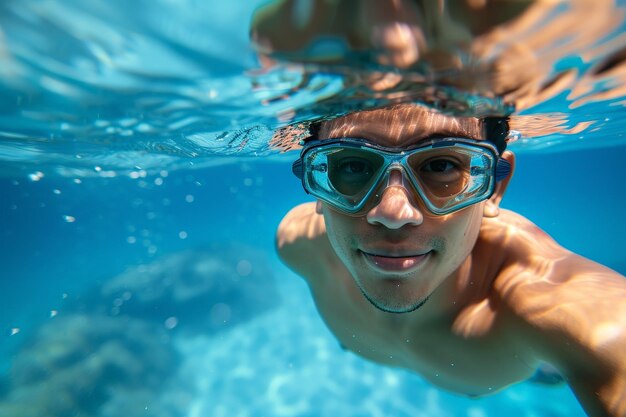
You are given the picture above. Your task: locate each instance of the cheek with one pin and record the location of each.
(342, 233)
(464, 229)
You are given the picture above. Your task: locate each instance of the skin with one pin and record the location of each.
(494, 297)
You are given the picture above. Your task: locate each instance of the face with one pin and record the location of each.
(397, 252)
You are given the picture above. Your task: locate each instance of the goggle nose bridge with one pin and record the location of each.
(406, 181)
(395, 166)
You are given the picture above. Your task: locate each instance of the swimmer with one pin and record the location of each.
(412, 263)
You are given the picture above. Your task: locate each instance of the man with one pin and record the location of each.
(412, 264)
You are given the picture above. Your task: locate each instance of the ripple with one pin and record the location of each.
(165, 85)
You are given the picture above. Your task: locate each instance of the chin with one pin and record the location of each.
(391, 304)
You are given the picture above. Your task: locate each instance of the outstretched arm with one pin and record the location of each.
(600, 382)
(574, 314)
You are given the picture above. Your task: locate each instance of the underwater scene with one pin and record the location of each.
(146, 154)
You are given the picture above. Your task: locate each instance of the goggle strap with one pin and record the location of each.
(503, 169)
(297, 169)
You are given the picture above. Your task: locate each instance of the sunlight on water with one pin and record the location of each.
(142, 86)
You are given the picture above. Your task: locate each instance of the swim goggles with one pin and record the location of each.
(448, 174)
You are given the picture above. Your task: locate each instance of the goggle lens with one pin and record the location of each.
(353, 171)
(441, 174)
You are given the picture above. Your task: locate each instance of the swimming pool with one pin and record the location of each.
(125, 206)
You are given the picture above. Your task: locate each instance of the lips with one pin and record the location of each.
(396, 263)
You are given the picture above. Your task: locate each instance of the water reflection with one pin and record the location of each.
(175, 85)
(467, 57)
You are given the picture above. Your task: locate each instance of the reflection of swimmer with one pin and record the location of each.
(407, 221)
(503, 48)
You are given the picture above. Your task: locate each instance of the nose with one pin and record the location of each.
(395, 208)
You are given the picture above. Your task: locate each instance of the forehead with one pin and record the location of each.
(400, 126)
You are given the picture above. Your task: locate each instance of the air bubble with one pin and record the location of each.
(244, 268)
(171, 322)
(36, 176)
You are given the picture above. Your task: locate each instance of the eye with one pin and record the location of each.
(354, 166)
(441, 166)
(350, 171)
(441, 170)
(350, 175)
(442, 177)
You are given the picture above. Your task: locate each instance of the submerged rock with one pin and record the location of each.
(78, 365)
(196, 290)
(108, 353)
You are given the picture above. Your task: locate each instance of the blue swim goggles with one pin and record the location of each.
(448, 174)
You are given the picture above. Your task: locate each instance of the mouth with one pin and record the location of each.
(401, 263)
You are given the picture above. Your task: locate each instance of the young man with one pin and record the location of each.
(412, 264)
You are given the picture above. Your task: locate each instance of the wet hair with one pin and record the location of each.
(495, 130)
(314, 130)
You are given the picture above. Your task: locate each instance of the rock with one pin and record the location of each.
(199, 290)
(77, 364)
(108, 353)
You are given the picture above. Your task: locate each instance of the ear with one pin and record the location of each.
(318, 207)
(492, 206)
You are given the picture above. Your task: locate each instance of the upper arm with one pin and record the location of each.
(575, 315)
(602, 395)
(600, 382)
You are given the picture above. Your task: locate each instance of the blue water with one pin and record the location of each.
(123, 165)
(44, 257)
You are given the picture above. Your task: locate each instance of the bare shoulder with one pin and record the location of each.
(301, 222)
(301, 237)
(536, 266)
(515, 229)
(538, 276)
(568, 310)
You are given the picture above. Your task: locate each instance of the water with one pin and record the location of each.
(141, 134)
